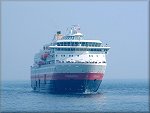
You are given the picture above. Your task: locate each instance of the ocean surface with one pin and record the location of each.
(112, 96)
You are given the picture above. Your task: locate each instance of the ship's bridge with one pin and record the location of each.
(72, 38)
(92, 43)
(75, 38)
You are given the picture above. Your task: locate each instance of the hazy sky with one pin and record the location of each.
(27, 26)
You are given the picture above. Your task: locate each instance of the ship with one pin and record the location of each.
(69, 64)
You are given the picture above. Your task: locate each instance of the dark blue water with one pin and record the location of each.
(113, 96)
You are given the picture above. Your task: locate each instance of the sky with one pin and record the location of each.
(123, 25)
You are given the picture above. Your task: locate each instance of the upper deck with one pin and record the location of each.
(73, 39)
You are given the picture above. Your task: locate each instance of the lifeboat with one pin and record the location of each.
(44, 56)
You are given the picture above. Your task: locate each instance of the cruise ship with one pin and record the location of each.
(69, 64)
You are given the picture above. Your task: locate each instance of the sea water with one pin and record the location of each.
(112, 96)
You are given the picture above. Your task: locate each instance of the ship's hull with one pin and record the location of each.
(67, 82)
(69, 86)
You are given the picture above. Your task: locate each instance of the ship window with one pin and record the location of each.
(64, 55)
(76, 43)
(69, 55)
(98, 44)
(36, 83)
(78, 55)
(83, 44)
(65, 44)
(92, 44)
(72, 49)
(71, 43)
(84, 49)
(68, 43)
(77, 49)
(81, 49)
(45, 79)
(58, 44)
(86, 43)
(95, 44)
(61, 43)
(89, 44)
(39, 83)
(56, 55)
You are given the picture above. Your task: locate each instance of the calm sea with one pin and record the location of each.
(113, 96)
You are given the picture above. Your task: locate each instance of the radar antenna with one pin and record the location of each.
(74, 29)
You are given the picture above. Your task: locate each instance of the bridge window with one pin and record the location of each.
(65, 43)
(77, 49)
(83, 44)
(58, 44)
(68, 43)
(76, 43)
(72, 49)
